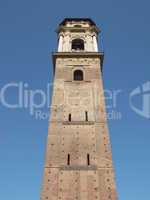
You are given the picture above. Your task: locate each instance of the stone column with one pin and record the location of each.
(89, 42)
(95, 43)
(66, 43)
(60, 45)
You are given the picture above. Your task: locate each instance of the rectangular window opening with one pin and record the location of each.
(88, 159)
(86, 116)
(69, 118)
(68, 161)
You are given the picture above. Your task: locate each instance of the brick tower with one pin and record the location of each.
(78, 162)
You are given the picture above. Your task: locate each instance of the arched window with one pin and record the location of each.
(77, 44)
(78, 75)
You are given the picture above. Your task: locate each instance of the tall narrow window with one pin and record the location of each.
(88, 159)
(78, 75)
(68, 159)
(86, 116)
(69, 118)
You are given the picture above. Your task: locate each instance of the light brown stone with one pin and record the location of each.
(78, 138)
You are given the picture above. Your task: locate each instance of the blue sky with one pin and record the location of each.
(27, 39)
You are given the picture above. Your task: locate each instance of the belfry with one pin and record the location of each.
(78, 163)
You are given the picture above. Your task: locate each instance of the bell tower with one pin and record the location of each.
(78, 163)
(78, 36)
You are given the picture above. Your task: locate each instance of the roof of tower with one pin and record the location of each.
(77, 19)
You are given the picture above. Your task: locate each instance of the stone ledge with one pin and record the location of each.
(80, 167)
(83, 54)
(78, 123)
(77, 82)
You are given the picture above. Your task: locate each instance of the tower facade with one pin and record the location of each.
(78, 162)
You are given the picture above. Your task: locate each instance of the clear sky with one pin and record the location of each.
(27, 39)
